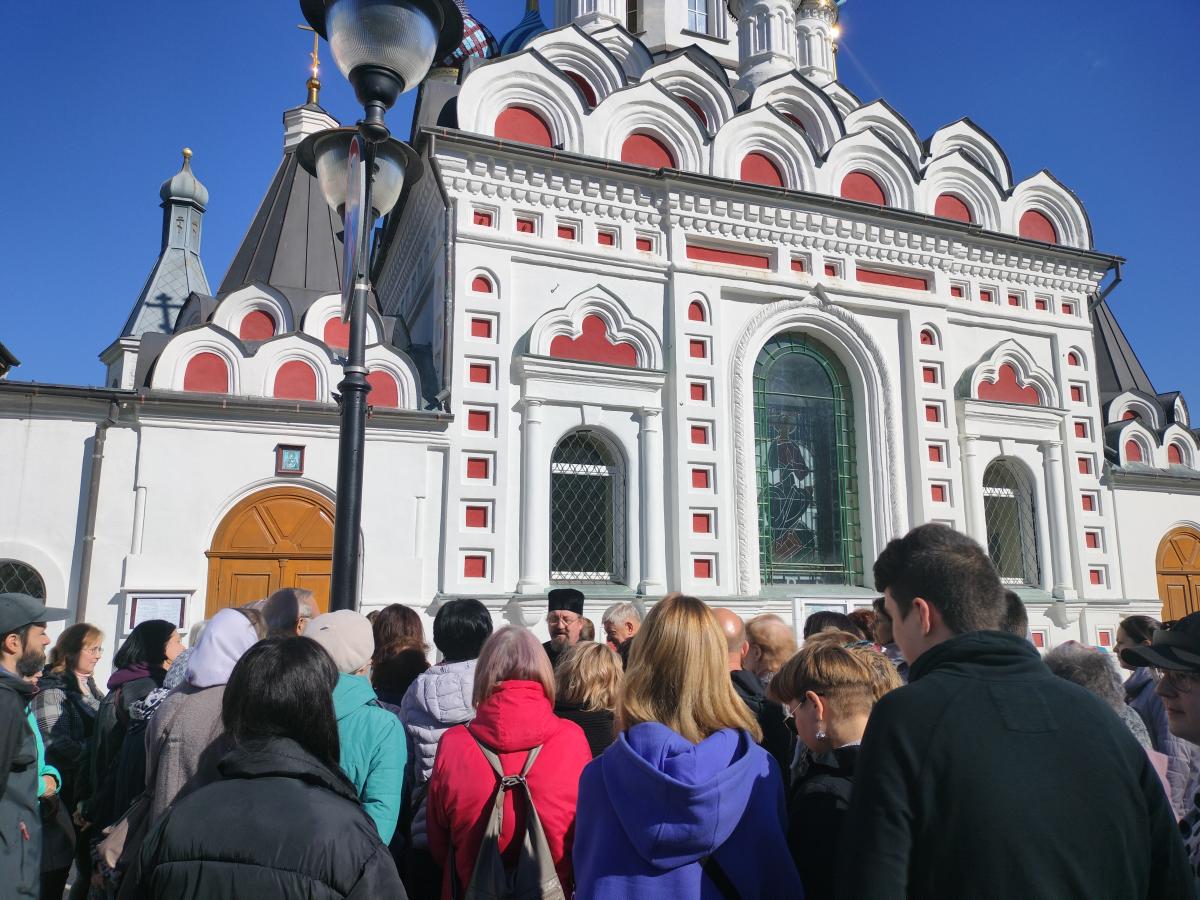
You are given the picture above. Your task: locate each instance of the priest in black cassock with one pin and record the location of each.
(565, 621)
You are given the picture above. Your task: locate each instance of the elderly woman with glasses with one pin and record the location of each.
(828, 690)
(1174, 654)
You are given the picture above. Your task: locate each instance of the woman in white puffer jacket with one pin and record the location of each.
(437, 700)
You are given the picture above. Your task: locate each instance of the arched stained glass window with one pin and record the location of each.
(18, 578)
(1008, 509)
(807, 472)
(587, 511)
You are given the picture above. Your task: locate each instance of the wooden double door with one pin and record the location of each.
(279, 537)
(1179, 573)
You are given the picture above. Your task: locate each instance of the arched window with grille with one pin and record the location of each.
(1010, 513)
(18, 578)
(807, 472)
(587, 511)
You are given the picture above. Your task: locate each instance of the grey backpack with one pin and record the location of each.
(534, 877)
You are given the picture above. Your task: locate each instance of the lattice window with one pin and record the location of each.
(1008, 507)
(698, 16)
(633, 16)
(18, 578)
(807, 472)
(587, 511)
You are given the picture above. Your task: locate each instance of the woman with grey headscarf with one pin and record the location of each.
(1094, 669)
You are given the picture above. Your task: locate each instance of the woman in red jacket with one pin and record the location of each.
(514, 712)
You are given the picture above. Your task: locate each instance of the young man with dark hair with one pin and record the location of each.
(23, 643)
(980, 777)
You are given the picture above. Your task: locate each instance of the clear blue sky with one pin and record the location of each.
(99, 98)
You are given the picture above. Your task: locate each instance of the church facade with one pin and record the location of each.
(667, 308)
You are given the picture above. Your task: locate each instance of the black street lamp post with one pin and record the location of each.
(384, 47)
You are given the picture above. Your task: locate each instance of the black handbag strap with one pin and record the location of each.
(717, 876)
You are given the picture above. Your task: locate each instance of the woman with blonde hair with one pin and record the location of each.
(829, 689)
(514, 715)
(588, 680)
(684, 803)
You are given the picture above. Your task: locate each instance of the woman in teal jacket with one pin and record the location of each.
(372, 740)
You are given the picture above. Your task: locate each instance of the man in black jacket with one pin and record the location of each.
(22, 640)
(987, 776)
(777, 736)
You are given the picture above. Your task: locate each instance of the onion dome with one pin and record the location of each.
(477, 41)
(183, 186)
(527, 29)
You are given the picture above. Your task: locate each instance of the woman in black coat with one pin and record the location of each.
(828, 689)
(587, 684)
(283, 821)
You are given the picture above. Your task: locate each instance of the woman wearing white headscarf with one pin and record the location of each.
(186, 740)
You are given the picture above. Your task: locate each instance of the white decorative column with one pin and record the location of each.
(535, 503)
(590, 15)
(816, 40)
(653, 505)
(1056, 505)
(973, 490)
(766, 40)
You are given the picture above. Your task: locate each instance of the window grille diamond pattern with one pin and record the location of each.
(1008, 509)
(807, 473)
(587, 512)
(18, 578)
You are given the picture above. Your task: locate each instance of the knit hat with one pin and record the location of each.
(346, 636)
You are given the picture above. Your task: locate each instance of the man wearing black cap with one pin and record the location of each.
(23, 644)
(1175, 652)
(565, 621)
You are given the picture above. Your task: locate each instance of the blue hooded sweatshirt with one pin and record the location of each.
(653, 805)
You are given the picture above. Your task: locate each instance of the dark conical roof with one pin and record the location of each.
(1117, 367)
(293, 243)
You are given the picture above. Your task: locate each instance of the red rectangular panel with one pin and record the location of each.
(697, 349)
(798, 265)
(1014, 300)
(1076, 394)
(477, 517)
(986, 296)
(481, 328)
(478, 467)
(1081, 429)
(482, 218)
(831, 270)
(699, 391)
(956, 291)
(702, 568)
(1038, 639)
(728, 257)
(699, 434)
(700, 479)
(1085, 466)
(1095, 576)
(1068, 309)
(1089, 503)
(929, 374)
(606, 238)
(474, 567)
(938, 493)
(935, 453)
(525, 226)
(891, 279)
(479, 420)
(1105, 636)
(1092, 540)
(566, 232)
(644, 244)
(1041, 304)
(481, 374)
(701, 523)
(933, 414)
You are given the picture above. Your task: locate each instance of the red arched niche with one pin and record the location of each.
(950, 207)
(516, 123)
(1037, 227)
(206, 373)
(862, 187)
(594, 345)
(295, 380)
(257, 325)
(1133, 452)
(759, 169)
(644, 150)
(1174, 455)
(1006, 389)
(337, 333)
(385, 392)
(696, 311)
(585, 88)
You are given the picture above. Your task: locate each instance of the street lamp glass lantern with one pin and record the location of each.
(326, 155)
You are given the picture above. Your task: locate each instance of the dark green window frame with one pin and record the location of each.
(848, 569)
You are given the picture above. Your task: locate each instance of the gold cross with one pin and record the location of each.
(314, 83)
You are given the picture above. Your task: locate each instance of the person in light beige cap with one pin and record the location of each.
(372, 740)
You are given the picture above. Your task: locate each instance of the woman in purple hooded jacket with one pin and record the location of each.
(684, 803)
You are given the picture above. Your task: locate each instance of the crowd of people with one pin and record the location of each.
(919, 748)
